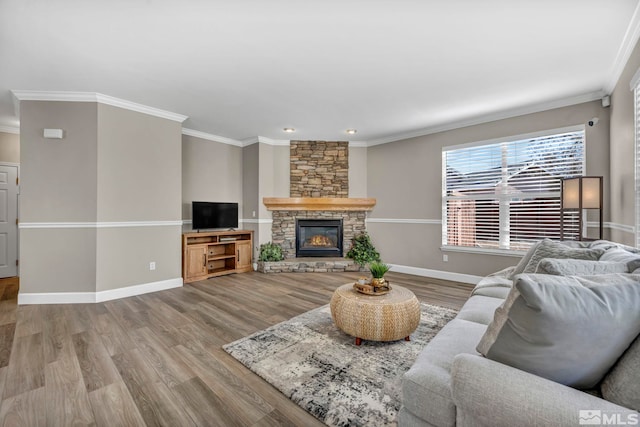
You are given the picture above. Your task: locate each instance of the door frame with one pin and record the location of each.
(17, 166)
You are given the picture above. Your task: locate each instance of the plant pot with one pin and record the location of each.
(378, 282)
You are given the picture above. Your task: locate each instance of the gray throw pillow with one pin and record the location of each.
(524, 261)
(579, 267)
(622, 384)
(621, 255)
(570, 330)
(550, 249)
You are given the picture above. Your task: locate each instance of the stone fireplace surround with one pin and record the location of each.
(283, 228)
(285, 211)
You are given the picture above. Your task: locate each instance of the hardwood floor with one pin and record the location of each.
(156, 359)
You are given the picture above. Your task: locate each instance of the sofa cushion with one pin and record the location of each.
(480, 309)
(579, 267)
(493, 286)
(550, 249)
(426, 386)
(570, 330)
(622, 384)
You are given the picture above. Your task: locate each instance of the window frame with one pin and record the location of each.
(634, 85)
(507, 139)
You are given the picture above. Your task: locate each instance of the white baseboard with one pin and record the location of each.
(93, 297)
(436, 274)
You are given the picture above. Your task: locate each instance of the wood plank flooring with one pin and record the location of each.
(156, 359)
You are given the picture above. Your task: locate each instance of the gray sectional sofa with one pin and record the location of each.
(555, 378)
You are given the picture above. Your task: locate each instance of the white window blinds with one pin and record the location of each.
(506, 195)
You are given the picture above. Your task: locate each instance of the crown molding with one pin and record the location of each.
(631, 37)
(63, 96)
(264, 140)
(269, 141)
(10, 129)
(211, 137)
(358, 144)
(505, 114)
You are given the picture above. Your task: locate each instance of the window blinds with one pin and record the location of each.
(506, 195)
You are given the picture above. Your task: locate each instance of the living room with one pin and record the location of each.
(106, 195)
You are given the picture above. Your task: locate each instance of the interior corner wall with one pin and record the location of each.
(250, 184)
(211, 172)
(266, 181)
(9, 148)
(281, 171)
(139, 189)
(406, 178)
(58, 185)
(622, 131)
(358, 171)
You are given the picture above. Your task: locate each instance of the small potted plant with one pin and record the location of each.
(362, 250)
(378, 270)
(270, 252)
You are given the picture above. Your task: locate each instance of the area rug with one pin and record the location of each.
(321, 369)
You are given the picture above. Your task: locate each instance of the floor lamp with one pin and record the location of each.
(578, 194)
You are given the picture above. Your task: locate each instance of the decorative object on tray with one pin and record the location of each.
(378, 270)
(370, 289)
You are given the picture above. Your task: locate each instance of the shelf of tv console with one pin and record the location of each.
(208, 254)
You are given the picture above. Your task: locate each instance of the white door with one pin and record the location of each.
(8, 221)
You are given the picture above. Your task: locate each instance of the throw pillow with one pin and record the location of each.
(622, 384)
(579, 267)
(550, 249)
(621, 255)
(570, 330)
(524, 261)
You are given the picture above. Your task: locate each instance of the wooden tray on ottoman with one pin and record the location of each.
(369, 289)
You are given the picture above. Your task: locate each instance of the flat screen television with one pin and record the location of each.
(214, 215)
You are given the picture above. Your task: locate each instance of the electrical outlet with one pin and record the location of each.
(152, 265)
(253, 213)
(445, 258)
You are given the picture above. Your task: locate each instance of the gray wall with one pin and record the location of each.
(58, 184)
(622, 187)
(211, 171)
(59, 179)
(112, 166)
(405, 177)
(358, 172)
(9, 148)
(281, 171)
(139, 179)
(250, 187)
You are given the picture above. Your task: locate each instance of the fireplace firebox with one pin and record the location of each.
(319, 238)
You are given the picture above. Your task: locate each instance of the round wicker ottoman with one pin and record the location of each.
(387, 317)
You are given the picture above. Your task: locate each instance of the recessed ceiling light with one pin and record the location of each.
(289, 130)
(352, 131)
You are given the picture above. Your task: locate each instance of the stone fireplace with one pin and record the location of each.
(287, 211)
(316, 225)
(318, 238)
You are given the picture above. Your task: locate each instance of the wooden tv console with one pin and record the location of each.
(215, 253)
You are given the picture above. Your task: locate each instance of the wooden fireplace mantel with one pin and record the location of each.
(318, 204)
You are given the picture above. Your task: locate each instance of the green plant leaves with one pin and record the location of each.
(362, 250)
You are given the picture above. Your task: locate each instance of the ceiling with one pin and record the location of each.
(388, 68)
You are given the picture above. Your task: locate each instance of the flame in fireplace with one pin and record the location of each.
(319, 240)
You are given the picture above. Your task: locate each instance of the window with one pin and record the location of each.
(505, 194)
(635, 87)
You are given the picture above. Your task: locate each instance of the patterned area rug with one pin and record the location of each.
(321, 369)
